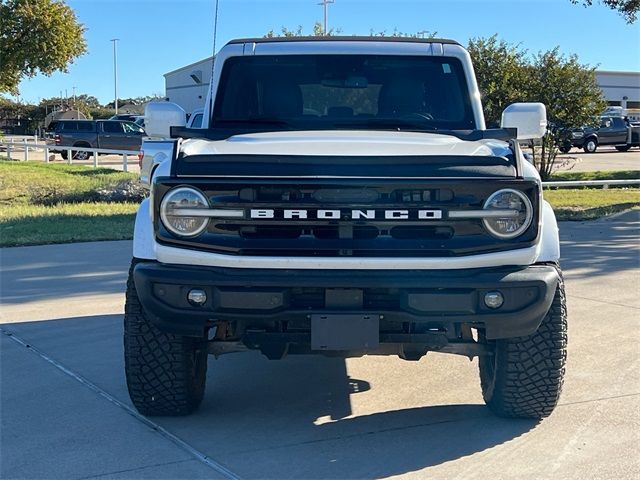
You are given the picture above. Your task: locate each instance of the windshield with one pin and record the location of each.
(344, 91)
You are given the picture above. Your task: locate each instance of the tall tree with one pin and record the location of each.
(627, 8)
(571, 94)
(507, 74)
(36, 36)
(501, 74)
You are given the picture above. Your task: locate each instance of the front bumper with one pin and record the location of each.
(409, 301)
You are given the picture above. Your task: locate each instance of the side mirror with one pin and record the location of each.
(529, 118)
(159, 117)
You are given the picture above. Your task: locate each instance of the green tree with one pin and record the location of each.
(507, 74)
(316, 31)
(627, 8)
(571, 94)
(501, 73)
(36, 36)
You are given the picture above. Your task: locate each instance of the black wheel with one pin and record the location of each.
(565, 148)
(166, 373)
(590, 146)
(623, 148)
(523, 379)
(64, 155)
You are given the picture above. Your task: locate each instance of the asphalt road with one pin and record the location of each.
(66, 414)
(605, 159)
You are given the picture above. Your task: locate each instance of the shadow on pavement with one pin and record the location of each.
(285, 419)
(600, 247)
(55, 271)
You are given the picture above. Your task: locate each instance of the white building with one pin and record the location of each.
(620, 88)
(187, 86)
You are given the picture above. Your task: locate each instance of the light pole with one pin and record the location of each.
(115, 72)
(325, 4)
(75, 104)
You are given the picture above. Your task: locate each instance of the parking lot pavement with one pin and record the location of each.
(311, 417)
(605, 159)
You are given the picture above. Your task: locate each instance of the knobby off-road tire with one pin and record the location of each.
(165, 373)
(523, 379)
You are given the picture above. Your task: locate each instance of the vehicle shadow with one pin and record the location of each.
(292, 418)
(54, 271)
(600, 247)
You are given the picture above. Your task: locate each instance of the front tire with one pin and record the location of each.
(523, 379)
(565, 148)
(590, 146)
(166, 373)
(623, 148)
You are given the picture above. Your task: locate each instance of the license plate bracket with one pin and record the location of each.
(346, 331)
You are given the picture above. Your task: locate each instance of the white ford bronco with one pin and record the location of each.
(344, 197)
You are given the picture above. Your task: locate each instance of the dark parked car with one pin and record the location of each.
(615, 131)
(108, 134)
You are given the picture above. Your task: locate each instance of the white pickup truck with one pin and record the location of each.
(343, 197)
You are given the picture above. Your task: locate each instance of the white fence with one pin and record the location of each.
(27, 144)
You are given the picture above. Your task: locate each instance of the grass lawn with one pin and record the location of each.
(66, 222)
(591, 203)
(42, 203)
(598, 175)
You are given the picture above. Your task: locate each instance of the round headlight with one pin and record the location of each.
(179, 212)
(518, 213)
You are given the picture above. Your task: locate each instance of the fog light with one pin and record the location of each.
(493, 299)
(197, 297)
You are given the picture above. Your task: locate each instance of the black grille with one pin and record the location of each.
(362, 237)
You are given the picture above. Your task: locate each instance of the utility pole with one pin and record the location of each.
(325, 4)
(115, 72)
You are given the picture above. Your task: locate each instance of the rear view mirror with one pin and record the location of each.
(352, 81)
(530, 119)
(159, 117)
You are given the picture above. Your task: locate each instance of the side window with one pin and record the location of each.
(112, 127)
(130, 127)
(605, 123)
(85, 126)
(619, 123)
(197, 121)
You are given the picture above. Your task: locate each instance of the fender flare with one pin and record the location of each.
(143, 238)
(549, 236)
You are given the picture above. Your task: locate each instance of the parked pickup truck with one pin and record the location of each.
(344, 198)
(107, 134)
(613, 130)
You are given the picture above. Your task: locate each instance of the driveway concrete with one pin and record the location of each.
(66, 413)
